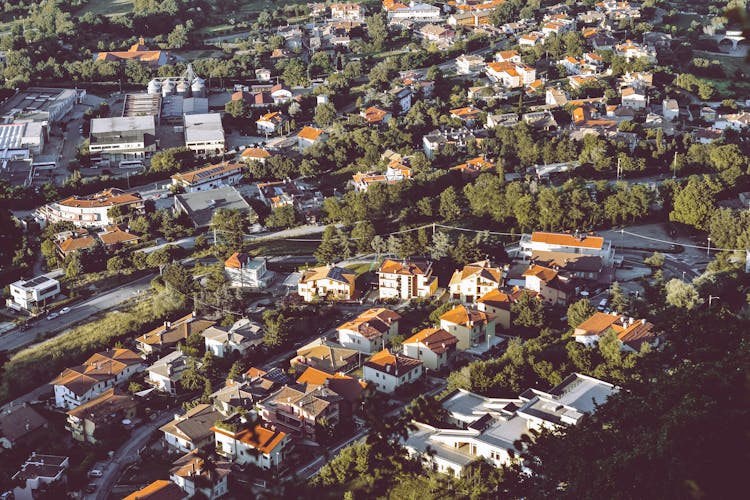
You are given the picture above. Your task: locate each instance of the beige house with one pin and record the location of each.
(475, 280)
(474, 329)
(406, 279)
(370, 331)
(548, 283)
(101, 416)
(433, 346)
(632, 333)
(327, 282)
(498, 304)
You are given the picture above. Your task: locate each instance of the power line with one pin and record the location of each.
(671, 242)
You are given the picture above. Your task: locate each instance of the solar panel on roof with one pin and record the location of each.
(37, 281)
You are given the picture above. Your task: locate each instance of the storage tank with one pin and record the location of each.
(154, 87)
(167, 88)
(198, 87)
(183, 89)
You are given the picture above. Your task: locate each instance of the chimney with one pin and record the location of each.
(643, 321)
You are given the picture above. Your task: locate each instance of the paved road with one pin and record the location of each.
(108, 301)
(126, 455)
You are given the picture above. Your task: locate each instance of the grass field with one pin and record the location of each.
(107, 7)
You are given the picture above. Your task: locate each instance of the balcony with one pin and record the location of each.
(224, 453)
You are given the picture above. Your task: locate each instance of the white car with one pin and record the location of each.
(65, 310)
(95, 473)
(52, 316)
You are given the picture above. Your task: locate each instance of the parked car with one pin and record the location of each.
(52, 316)
(95, 473)
(65, 310)
(602, 305)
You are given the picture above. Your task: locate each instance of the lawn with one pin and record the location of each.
(360, 269)
(285, 247)
(107, 7)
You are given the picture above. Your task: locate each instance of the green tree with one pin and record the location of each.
(528, 312)
(451, 208)
(362, 235)
(278, 327)
(682, 295)
(237, 108)
(580, 311)
(694, 203)
(325, 114)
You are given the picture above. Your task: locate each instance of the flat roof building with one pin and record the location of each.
(210, 177)
(91, 210)
(201, 205)
(204, 134)
(38, 104)
(142, 104)
(20, 141)
(123, 138)
(29, 294)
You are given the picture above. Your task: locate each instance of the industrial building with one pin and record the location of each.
(200, 206)
(38, 105)
(186, 85)
(175, 107)
(142, 104)
(204, 134)
(123, 138)
(21, 141)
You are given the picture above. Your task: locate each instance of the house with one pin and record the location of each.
(115, 236)
(542, 120)
(531, 39)
(200, 206)
(297, 410)
(708, 114)
(263, 74)
(29, 295)
(670, 109)
(223, 343)
(122, 138)
(370, 331)
(475, 166)
(191, 430)
(584, 244)
(260, 446)
(103, 370)
(309, 136)
(245, 271)
(327, 282)
(20, 425)
(347, 11)
(468, 64)
(469, 115)
(498, 303)
(706, 135)
(209, 177)
(631, 98)
(166, 372)
(255, 154)
(91, 210)
(326, 356)
(436, 33)
(204, 134)
(549, 284)
(109, 413)
(631, 333)
(482, 428)
(397, 171)
(501, 120)
(165, 338)
(511, 74)
(406, 280)
(376, 116)
(137, 52)
(631, 50)
(160, 489)
(270, 123)
(415, 11)
(474, 329)
(401, 98)
(433, 142)
(736, 121)
(191, 473)
(475, 280)
(508, 56)
(433, 346)
(280, 94)
(388, 371)
(38, 473)
(348, 388)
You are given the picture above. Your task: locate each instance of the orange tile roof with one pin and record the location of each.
(435, 339)
(398, 364)
(543, 273)
(462, 315)
(274, 116)
(475, 165)
(176, 331)
(260, 438)
(465, 113)
(325, 272)
(158, 490)
(345, 386)
(116, 235)
(75, 244)
(372, 323)
(100, 366)
(482, 268)
(497, 298)
(374, 115)
(106, 198)
(255, 153)
(310, 133)
(507, 54)
(390, 266)
(568, 240)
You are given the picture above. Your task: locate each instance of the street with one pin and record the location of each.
(16, 339)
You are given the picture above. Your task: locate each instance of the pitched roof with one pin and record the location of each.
(212, 171)
(325, 356)
(262, 439)
(569, 240)
(309, 133)
(106, 198)
(110, 402)
(629, 331)
(410, 267)
(195, 424)
(76, 244)
(392, 364)
(347, 387)
(462, 315)
(176, 331)
(374, 115)
(435, 339)
(255, 153)
(334, 273)
(568, 261)
(190, 465)
(158, 490)
(482, 269)
(497, 298)
(20, 421)
(100, 366)
(372, 323)
(543, 273)
(114, 234)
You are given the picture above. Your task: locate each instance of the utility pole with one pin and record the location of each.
(710, 299)
(674, 166)
(619, 168)
(708, 248)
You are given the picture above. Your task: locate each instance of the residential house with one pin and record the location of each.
(255, 154)
(433, 142)
(511, 74)
(376, 116)
(166, 372)
(706, 135)
(165, 338)
(414, 11)
(298, 410)
(584, 244)
(632, 99)
(160, 489)
(327, 282)
(474, 281)
(371, 331)
(39, 472)
(548, 283)
(309, 136)
(632, 50)
(234, 342)
(498, 303)
(402, 99)
(433, 346)
(436, 33)
(29, 295)
(388, 371)
(242, 270)
(632, 333)
(349, 388)
(735, 121)
(80, 384)
(280, 94)
(393, 174)
(347, 11)
(501, 120)
(114, 236)
(475, 166)
(191, 473)
(511, 56)
(326, 356)
(209, 177)
(260, 446)
(406, 280)
(531, 39)
(670, 109)
(468, 64)
(20, 425)
(474, 329)
(76, 242)
(468, 115)
(270, 123)
(482, 428)
(91, 210)
(106, 415)
(137, 52)
(191, 430)
(708, 114)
